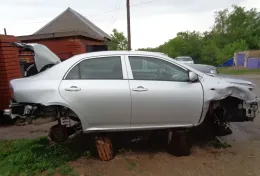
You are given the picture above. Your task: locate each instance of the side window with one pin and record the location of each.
(97, 68)
(156, 69)
(74, 73)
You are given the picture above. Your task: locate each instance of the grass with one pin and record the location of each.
(33, 157)
(238, 71)
(131, 164)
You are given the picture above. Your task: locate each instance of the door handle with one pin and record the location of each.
(73, 88)
(140, 89)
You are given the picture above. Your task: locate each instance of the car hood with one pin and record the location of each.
(235, 80)
(42, 55)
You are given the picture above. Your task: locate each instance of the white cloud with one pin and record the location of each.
(152, 23)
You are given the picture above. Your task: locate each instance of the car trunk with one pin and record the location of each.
(43, 57)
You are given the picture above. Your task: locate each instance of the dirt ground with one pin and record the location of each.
(241, 159)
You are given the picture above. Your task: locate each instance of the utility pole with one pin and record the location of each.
(128, 24)
(5, 31)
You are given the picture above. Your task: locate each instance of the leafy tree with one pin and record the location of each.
(235, 29)
(118, 41)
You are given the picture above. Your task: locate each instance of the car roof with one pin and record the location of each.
(103, 53)
(183, 57)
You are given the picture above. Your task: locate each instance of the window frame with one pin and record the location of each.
(130, 73)
(123, 65)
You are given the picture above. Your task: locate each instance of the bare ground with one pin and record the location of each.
(241, 159)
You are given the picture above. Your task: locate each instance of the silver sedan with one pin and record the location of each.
(126, 91)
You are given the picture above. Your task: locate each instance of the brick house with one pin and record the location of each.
(68, 34)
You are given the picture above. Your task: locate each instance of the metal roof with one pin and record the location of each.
(68, 23)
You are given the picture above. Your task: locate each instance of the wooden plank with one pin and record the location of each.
(104, 148)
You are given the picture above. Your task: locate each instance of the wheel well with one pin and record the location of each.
(54, 111)
(219, 106)
(64, 111)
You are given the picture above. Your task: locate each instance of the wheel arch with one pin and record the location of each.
(83, 121)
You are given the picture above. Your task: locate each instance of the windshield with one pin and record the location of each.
(184, 59)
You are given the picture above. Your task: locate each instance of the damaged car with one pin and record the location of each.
(126, 91)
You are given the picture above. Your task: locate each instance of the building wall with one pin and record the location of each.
(92, 42)
(9, 68)
(62, 47)
(240, 59)
(66, 47)
(253, 63)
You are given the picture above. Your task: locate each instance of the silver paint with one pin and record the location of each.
(42, 55)
(128, 104)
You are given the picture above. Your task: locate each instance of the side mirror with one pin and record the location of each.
(192, 76)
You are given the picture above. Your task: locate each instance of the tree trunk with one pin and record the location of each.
(104, 148)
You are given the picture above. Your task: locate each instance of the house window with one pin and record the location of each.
(93, 48)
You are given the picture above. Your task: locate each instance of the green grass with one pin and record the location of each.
(32, 157)
(238, 71)
(131, 164)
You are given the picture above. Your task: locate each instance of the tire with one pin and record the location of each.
(58, 133)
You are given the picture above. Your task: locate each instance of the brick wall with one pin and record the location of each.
(9, 68)
(67, 47)
(92, 42)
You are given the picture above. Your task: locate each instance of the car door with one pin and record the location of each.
(98, 89)
(162, 94)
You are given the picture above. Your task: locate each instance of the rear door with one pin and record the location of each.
(98, 89)
(162, 94)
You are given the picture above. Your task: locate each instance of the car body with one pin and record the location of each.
(128, 90)
(185, 59)
(213, 71)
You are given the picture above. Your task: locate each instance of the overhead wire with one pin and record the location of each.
(97, 14)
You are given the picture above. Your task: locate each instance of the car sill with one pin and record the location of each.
(135, 128)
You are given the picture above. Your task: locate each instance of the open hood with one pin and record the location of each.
(42, 55)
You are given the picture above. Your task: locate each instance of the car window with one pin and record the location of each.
(148, 68)
(98, 68)
(184, 59)
(74, 73)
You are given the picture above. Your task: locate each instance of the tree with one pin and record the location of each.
(118, 41)
(235, 29)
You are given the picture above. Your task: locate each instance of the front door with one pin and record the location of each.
(96, 88)
(162, 93)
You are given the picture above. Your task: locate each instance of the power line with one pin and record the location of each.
(147, 2)
(118, 2)
(102, 13)
(134, 5)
